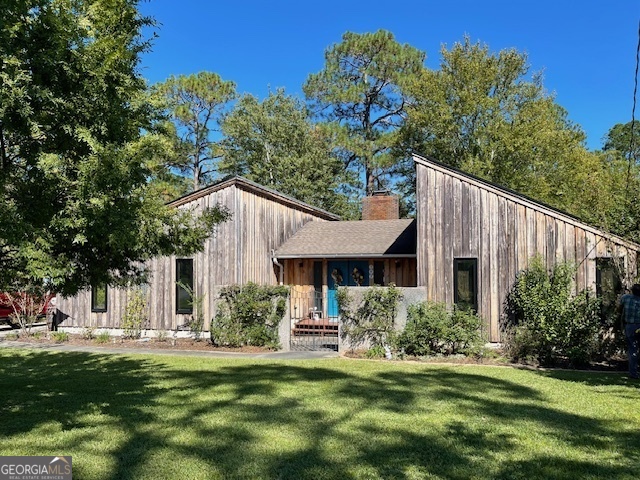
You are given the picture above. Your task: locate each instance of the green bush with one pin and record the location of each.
(548, 323)
(102, 337)
(375, 352)
(135, 314)
(249, 315)
(372, 319)
(60, 337)
(434, 329)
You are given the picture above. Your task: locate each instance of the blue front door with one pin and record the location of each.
(351, 273)
(337, 273)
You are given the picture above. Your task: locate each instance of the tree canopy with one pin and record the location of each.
(480, 112)
(273, 143)
(360, 93)
(195, 104)
(624, 140)
(76, 207)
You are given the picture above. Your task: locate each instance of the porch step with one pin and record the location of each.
(310, 326)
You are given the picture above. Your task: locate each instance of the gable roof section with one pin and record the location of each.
(352, 239)
(520, 199)
(258, 189)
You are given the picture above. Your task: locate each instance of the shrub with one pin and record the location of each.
(249, 315)
(88, 333)
(161, 336)
(547, 322)
(103, 337)
(434, 329)
(135, 314)
(27, 302)
(372, 319)
(60, 337)
(375, 352)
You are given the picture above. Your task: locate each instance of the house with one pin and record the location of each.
(474, 237)
(239, 251)
(469, 240)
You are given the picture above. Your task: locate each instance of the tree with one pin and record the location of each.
(619, 138)
(273, 143)
(482, 113)
(621, 155)
(195, 104)
(76, 207)
(360, 93)
(162, 145)
(479, 112)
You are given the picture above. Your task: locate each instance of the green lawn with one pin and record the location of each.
(154, 417)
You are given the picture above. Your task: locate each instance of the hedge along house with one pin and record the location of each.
(474, 237)
(239, 251)
(380, 249)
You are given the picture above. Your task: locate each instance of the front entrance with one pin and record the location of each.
(314, 306)
(344, 273)
(310, 328)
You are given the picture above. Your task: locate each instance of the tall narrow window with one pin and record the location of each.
(184, 285)
(317, 285)
(99, 298)
(608, 282)
(465, 283)
(378, 273)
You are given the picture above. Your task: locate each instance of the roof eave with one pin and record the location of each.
(256, 188)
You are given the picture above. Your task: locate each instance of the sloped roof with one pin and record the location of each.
(248, 185)
(521, 199)
(352, 239)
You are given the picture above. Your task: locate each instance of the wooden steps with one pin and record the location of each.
(313, 326)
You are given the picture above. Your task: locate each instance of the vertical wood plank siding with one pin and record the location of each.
(238, 251)
(461, 217)
(298, 273)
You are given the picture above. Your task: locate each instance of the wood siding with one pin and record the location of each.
(239, 251)
(298, 273)
(461, 217)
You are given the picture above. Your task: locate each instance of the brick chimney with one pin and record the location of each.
(381, 206)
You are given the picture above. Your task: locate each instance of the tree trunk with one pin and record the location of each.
(370, 181)
(196, 178)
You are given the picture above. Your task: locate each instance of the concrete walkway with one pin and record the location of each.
(61, 347)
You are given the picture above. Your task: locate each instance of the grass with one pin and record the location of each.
(103, 337)
(155, 417)
(60, 337)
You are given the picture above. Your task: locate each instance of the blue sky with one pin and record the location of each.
(585, 49)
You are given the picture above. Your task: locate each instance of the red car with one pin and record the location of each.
(7, 306)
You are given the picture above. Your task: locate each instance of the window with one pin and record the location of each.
(378, 273)
(608, 282)
(317, 285)
(184, 285)
(99, 298)
(465, 283)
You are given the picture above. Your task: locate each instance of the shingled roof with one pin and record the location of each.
(352, 239)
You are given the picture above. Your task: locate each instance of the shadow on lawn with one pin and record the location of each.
(226, 409)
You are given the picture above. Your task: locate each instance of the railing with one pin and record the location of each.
(311, 329)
